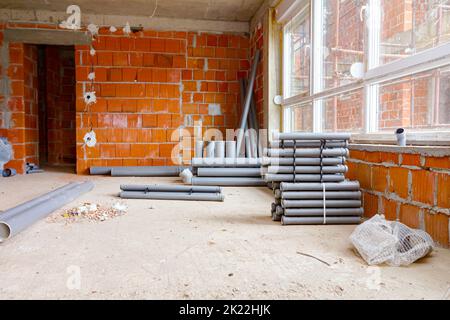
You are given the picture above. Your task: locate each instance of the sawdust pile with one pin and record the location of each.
(91, 212)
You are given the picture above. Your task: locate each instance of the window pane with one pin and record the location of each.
(297, 33)
(343, 38)
(344, 112)
(302, 118)
(409, 102)
(410, 26)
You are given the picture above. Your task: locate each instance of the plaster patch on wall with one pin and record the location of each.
(214, 109)
(6, 151)
(188, 120)
(5, 86)
(194, 41)
(205, 66)
(199, 85)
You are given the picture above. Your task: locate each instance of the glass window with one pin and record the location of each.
(342, 41)
(302, 118)
(343, 112)
(420, 101)
(411, 26)
(297, 42)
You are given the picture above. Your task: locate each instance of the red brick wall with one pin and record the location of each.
(149, 84)
(410, 187)
(18, 102)
(257, 42)
(60, 105)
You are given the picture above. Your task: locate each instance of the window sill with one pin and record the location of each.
(430, 151)
(425, 139)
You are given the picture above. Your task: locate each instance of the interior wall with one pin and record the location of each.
(150, 86)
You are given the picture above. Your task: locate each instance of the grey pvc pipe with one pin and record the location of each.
(219, 149)
(307, 169)
(171, 188)
(310, 136)
(248, 99)
(304, 177)
(147, 171)
(172, 196)
(229, 172)
(209, 150)
(333, 152)
(226, 162)
(302, 161)
(229, 181)
(275, 216)
(101, 170)
(329, 186)
(199, 149)
(319, 203)
(230, 147)
(248, 146)
(293, 195)
(309, 144)
(318, 212)
(11, 225)
(29, 204)
(319, 220)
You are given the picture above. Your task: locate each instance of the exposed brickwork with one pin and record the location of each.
(257, 42)
(405, 187)
(149, 84)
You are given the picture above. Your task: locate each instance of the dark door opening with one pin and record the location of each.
(57, 105)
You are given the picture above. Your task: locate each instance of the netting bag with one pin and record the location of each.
(381, 241)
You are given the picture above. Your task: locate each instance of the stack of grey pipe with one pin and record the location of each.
(217, 165)
(307, 173)
(172, 192)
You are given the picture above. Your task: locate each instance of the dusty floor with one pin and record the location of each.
(194, 250)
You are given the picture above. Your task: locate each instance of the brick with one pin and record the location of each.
(129, 74)
(108, 90)
(123, 150)
(438, 162)
(164, 120)
(144, 75)
(142, 44)
(364, 175)
(149, 120)
(443, 190)
(157, 45)
(107, 150)
(104, 58)
(389, 208)
(379, 178)
(159, 135)
(437, 225)
(120, 59)
(172, 46)
(410, 159)
(423, 186)
(398, 181)
(115, 75)
(389, 157)
(165, 150)
(138, 151)
(409, 215)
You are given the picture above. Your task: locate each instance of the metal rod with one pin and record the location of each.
(319, 220)
(310, 136)
(303, 161)
(171, 188)
(229, 172)
(319, 212)
(307, 169)
(248, 99)
(318, 194)
(341, 186)
(304, 177)
(12, 225)
(172, 196)
(226, 162)
(334, 152)
(228, 181)
(319, 203)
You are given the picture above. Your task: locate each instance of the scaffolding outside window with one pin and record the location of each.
(368, 66)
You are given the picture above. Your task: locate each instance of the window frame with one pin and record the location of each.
(375, 75)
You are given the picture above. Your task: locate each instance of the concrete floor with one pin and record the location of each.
(194, 250)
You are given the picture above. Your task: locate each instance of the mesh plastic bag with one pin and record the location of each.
(381, 241)
(5, 151)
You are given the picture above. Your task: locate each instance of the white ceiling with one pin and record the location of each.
(224, 10)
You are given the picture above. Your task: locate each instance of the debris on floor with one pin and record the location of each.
(91, 212)
(381, 241)
(32, 168)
